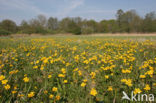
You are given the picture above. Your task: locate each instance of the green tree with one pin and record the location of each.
(89, 27)
(70, 25)
(26, 28)
(38, 25)
(149, 23)
(128, 21)
(53, 23)
(9, 25)
(120, 16)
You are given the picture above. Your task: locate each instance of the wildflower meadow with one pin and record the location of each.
(76, 69)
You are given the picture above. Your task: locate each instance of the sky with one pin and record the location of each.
(18, 10)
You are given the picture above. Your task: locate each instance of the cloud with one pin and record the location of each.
(100, 11)
(20, 5)
(71, 5)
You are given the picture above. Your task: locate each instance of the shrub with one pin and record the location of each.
(87, 31)
(4, 32)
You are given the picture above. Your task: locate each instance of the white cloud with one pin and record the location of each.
(71, 5)
(100, 11)
(21, 5)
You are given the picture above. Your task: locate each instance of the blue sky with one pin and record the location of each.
(18, 10)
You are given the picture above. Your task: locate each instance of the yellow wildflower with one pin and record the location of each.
(65, 81)
(54, 89)
(142, 76)
(110, 88)
(45, 92)
(79, 72)
(85, 80)
(93, 92)
(35, 67)
(61, 75)
(13, 92)
(4, 81)
(2, 77)
(26, 79)
(137, 90)
(51, 96)
(92, 74)
(83, 84)
(63, 70)
(31, 94)
(49, 76)
(7, 87)
(106, 76)
(147, 87)
(57, 97)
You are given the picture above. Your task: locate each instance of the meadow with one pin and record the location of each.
(76, 69)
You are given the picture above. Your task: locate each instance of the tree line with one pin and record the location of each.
(125, 22)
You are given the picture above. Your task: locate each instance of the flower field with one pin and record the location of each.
(75, 69)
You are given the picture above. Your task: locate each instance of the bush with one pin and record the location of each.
(87, 31)
(76, 31)
(4, 32)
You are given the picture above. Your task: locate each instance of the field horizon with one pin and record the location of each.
(94, 34)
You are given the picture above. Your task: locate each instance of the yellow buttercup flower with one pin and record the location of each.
(92, 74)
(45, 61)
(7, 87)
(31, 94)
(45, 92)
(93, 92)
(26, 79)
(65, 81)
(137, 90)
(61, 75)
(51, 96)
(76, 69)
(13, 92)
(83, 84)
(106, 76)
(58, 97)
(4, 81)
(142, 76)
(127, 82)
(2, 77)
(63, 70)
(42, 68)
(35, 67)
(110, 88)
(49, 76)
(54, 89)
(147, 87)
(126, 71)
(79, 72)
(85, 80)
(20, 95)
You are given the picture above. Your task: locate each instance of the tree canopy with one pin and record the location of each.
(126, 21)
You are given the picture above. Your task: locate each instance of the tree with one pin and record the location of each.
(53, 23)
(89, 26)
(26, 28)
(9, 25)
(119, 16)
(70, 25)
(133, 21)
(149, 23)
(128, 21)
(38, 25)
(42, 20)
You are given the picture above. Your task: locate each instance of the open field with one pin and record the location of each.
(77, 69)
